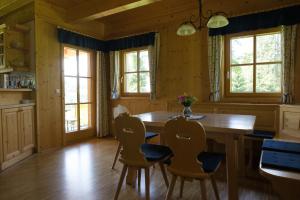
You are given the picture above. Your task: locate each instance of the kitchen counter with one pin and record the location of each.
(2, 106)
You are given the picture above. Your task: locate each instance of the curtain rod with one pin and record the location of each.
(265, 10)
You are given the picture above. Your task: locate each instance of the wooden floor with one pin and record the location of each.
(83, 171)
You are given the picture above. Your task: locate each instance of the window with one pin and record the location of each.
(135, 72)
(78, 89)
(253, 64)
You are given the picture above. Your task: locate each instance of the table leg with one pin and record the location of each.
(232, 186)
(131, 176)
(241, 155)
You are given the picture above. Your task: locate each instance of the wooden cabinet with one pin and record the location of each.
(14, 52)
(289, 122)
(18, 139)
(10, 133)
(26, 128)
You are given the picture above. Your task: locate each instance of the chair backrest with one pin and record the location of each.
(119, 109)
(186, 139)
(131, 132)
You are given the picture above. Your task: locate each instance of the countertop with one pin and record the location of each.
(16, 105)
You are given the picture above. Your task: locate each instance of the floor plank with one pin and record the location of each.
(83, 171)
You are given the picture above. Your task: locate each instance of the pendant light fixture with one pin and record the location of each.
(215, 20)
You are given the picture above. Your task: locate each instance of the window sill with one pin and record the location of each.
(133, 98)
(258, 100)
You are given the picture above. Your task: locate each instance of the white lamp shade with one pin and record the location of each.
(217, 21)
(186, 29)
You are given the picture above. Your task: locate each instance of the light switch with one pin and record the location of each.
(57, 91)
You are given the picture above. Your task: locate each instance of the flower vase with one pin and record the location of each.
(187, 111)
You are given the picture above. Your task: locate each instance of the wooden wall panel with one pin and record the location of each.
(48, 79)
(183, 61)
(48, 70)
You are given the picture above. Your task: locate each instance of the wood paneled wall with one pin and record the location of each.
(48, 71)
(183, 63)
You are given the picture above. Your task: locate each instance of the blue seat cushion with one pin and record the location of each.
(154, 152)
(283, 146)
(281, 160)
(262, 134)
(210, 161)
(150, 135)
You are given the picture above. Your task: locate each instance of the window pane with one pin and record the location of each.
(268, 78)
(85, 90)
(145, 82)
(71, 118)
(144, 61)
(70, 90)
(85, 116)
(241, 80)
(241, 50)
(131, 62)
(84, 64)
(268, 47)
(130, 82)
(70, 62)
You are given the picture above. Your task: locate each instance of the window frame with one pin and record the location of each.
(227, 67)
(122, 73)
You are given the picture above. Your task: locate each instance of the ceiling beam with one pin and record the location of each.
(95, 9)
(7, 6)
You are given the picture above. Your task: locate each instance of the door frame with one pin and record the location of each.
(78, 136)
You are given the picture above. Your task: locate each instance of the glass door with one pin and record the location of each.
(78, 92)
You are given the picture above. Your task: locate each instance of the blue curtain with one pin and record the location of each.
(131, 42)
(269, 19)
(76, 39)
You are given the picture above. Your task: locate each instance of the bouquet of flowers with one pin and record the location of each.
(186, 100)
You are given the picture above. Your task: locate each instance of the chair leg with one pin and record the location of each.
(139, 178)
(147, 183)
(121, 181)
(203, 189)
(171, 187)
(181, 187)
(215, 188)
(163, 171)
(117, 155)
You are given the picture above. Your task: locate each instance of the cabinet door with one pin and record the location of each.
(10, 132)
(27, 128)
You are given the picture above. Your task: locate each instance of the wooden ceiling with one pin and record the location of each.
(111, 11)
(66, 4)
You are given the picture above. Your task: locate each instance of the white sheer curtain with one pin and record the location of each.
(102, 94)
(114, 57)
(154, 62)
(288, 58)
(215, 56)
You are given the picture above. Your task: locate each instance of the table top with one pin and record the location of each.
(243, 124)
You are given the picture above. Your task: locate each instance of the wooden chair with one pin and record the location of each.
(119, 109)
(187, 140)
(136, 153)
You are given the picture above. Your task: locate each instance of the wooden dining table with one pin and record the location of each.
(223, 128)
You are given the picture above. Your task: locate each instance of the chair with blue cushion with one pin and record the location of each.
(116, 112)
(135, 153)
(187, 141)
